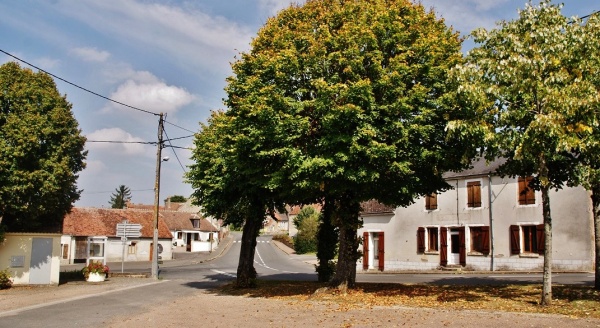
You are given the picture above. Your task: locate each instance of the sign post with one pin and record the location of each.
(126, 230)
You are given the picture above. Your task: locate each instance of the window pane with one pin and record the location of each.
(432, 234)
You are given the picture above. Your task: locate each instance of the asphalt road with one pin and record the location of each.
(270, 263)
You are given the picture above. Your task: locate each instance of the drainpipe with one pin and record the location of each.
(491, 222)
(457, 205)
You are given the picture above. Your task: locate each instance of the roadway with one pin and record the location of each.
(181, 281)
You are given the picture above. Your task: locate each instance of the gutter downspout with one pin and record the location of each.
(457, 205)
(491, 222)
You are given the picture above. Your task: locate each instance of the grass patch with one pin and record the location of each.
(574, 301)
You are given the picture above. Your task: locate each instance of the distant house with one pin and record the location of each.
(486, 222)
(292, 213)
(191, 232)
(91, 233)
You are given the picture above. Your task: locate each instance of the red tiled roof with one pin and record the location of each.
(183, 221)
(375, 207)
(207, 226)
(103, 222)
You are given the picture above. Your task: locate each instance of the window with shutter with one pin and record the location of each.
(431, 202)
(432, 239)
(529, 239)
(541, 239)
(480, 239)
(474, 194)
(526, 193)
(515, 240)
(420, 240)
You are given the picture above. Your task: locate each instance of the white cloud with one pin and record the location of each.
(91, 54)
(467, 15)
(118, 149)
(146, 92)
(94, 167)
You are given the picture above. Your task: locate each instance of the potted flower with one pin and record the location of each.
(95, 271)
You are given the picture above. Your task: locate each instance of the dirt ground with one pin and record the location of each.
(208, 309)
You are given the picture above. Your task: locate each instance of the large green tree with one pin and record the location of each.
(228, 183)
(120, 197)
(340, 102)
(531, 99)
(588, 170)
(41, 151)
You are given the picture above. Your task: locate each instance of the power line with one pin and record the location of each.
(124, 142)
(174, 152)
(106, 192)
(177, 126)
(77, 86)
(590, 15)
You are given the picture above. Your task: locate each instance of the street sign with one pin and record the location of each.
(129, 230)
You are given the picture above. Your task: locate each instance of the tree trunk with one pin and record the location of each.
(595, 209)
(246, 274)
(547, 281)
(326, 243)
(348, 222)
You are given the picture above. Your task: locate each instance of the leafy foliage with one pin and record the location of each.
(94, 267)
(41, 151)
(120, 197)
(307, 222)
(341, 101)
(5, 279)
(177, 199)
(531, 99)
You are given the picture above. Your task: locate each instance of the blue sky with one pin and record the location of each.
(162, 56)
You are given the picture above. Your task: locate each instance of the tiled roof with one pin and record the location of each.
(133, 206)
(183, 221)
(207, 226)
(375, 207)
(103, 222)
(479, 167)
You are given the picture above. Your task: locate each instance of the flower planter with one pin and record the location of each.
(96, 277)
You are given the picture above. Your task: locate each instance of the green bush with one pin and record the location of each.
(306, 239)
(5, 279)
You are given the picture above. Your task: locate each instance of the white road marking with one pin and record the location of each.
(224, 273)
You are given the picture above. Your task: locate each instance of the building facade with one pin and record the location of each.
(486, 222)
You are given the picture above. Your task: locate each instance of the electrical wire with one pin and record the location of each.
(77, 86)
(124, 142)
(177, 126)
(174, 152)
(106, 192)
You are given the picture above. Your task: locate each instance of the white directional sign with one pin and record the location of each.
(129, 230)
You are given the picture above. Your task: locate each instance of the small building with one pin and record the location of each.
(191, 232)
(31, 258)
(486, 222)
(91, 233)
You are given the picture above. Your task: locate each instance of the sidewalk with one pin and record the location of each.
(146, 266)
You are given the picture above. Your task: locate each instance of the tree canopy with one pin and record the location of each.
(120, 197)
(528, 87)
(41, 151)
(177, 199)
(339, 102)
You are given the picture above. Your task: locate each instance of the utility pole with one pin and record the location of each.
(156, 198)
